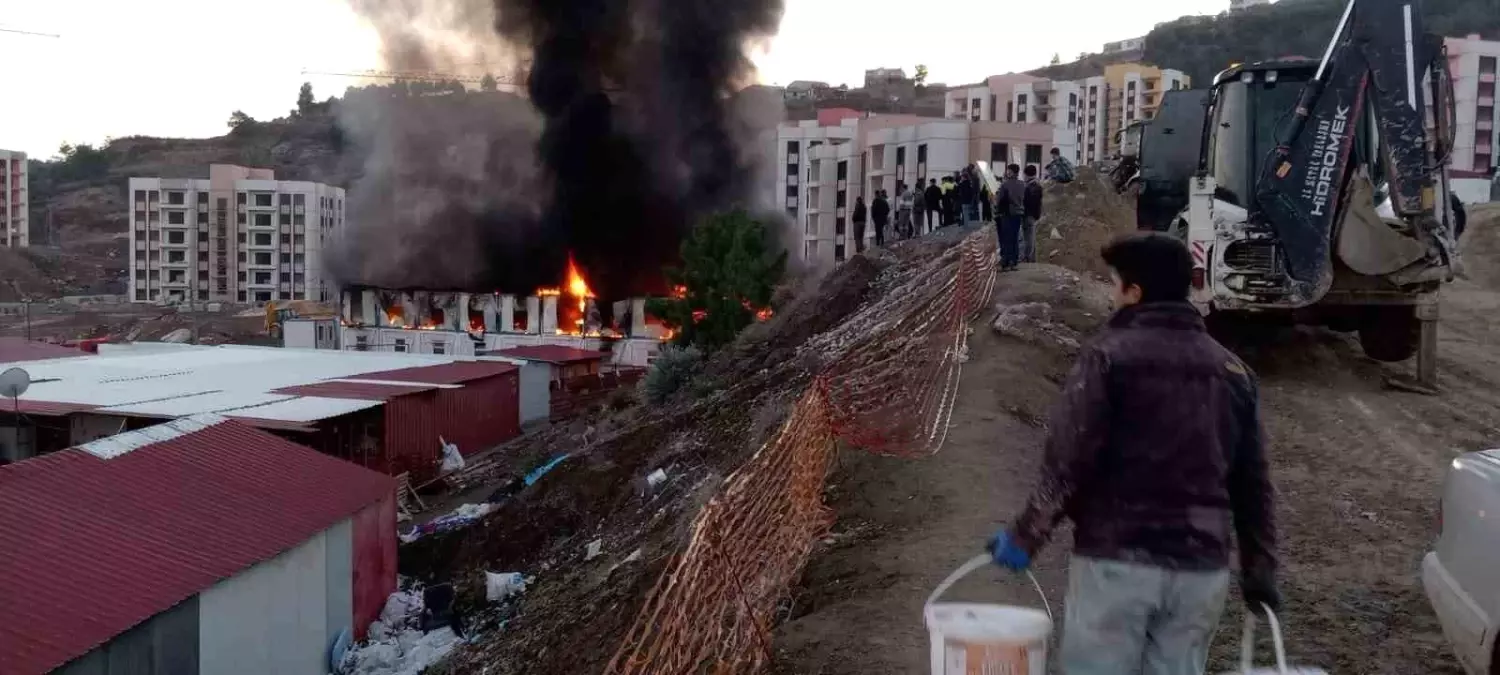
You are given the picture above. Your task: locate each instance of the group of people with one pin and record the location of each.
(964, 199)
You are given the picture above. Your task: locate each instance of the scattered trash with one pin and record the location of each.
(633, 557)
(537, 473)
(1032, 322)
(397, 645)
(1055, 234)
(452, 459)
(500, 586)
(656, 478)
(593, 550)
(459, 518)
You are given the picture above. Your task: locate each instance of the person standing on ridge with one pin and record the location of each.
(1010, 211)
(904, 204)
(881, 212)
(1033, 201)
(934, 199)
(1155, 452)
(859, 224)
(965, 193)
(918, 209)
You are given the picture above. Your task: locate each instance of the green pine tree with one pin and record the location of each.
(729, 271)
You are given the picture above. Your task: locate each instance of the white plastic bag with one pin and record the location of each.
(1247, 651)
(501, 586)
(452, 460)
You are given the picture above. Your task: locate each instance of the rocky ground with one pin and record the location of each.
(1358, 467)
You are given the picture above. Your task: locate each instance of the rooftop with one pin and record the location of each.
(554, 354)
(259, 384)
(148, 519)
(14, 350)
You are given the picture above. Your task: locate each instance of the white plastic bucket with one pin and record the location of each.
(982, 639)
(1247, 650)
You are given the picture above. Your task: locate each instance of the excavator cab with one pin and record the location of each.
(1246, 106)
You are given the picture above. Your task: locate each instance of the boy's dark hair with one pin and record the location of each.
(1030, 170)
(1159, 263)
(1055, 151)
(1013, 168)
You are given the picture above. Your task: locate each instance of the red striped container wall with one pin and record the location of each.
(374, 562)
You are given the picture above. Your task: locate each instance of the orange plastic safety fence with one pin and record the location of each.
(890, 389)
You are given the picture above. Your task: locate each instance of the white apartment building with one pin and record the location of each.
(819, 171)
(1130, 45)
(238, 236)
(14, 230)
(1056, 104)
(1472, 63)
(1093, 127)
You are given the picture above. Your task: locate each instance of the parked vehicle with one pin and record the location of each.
(1462, 573)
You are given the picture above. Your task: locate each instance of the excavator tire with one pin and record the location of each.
(1390, 333)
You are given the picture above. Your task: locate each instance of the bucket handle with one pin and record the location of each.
(975, 563)
(1247, 642)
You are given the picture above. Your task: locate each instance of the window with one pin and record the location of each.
(261, 238)
(262, 278)
(922, 154)
(203, 198)
(176, 237)
(298, 295)
(999, 154)
(297, 239)
(299, 220)
(202, 217)
(838, 253)
(791, 191)
(262, 199)
(153, 275)
(262, 220)
(297, 258)
(176, 198)
(176, 276)
(242, 259)
(791, 149)
(791, 169)
(286, 199)
(140, 195)
(286, 278)
(298, 199)
(241, 219)
(439, 347)
(140, 294)
(361, 343)
(839, 228)
(298, 279)
(153, 196)
(400, 345)
(286, 258)
(1033, 154)
(900, 156)
(176, 256)
(240, 296)
(262, 296)
(262, 258)
(240, 237)
(239, 198)
(843, 170)
(1010, 111)
(286, 219)
(176, 218)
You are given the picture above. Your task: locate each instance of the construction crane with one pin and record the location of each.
(27, 32)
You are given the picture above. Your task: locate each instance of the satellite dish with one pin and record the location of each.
(14, 382)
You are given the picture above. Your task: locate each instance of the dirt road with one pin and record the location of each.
(1358, 467)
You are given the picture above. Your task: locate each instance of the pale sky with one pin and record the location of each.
(180, 67)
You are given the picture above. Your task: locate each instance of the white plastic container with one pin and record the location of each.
(1247, 651)
(983, 638)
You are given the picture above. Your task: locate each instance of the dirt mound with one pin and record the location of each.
(1078, 219)
(1481, 245)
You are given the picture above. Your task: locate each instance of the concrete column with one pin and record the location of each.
(492, 313)
(549, 315)
(461, 312)
(533, 314)
(369, 308)
(346, 306)
(637, 317)
(507, 314)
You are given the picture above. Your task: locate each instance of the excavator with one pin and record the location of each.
(1321, 192)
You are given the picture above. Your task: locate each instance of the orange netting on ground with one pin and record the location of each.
(890, 389)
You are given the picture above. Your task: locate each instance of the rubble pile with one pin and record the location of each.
(1078, 219)
(598, 530)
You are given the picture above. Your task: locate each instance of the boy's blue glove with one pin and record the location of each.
(1007, 554)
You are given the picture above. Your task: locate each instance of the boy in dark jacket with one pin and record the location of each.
(1010, 213)
(934, 200)
(881, 212)
(1156, 455)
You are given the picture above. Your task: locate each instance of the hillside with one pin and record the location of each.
(1201, 46)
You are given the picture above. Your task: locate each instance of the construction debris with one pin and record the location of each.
(1080, 218)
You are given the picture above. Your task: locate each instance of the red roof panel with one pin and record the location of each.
(556, 354)
(365, 391)
(49, 408)
(95, 546)
(16, 350)
(457, 372)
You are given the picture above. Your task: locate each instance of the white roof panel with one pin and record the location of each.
(226, 402)
(305, 409)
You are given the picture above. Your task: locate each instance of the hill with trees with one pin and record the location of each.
(1201, 46)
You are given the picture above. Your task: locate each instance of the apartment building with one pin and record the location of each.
(1472, 63)
(238, 236)
(14, 230)
(1131, 45)
(1093, 128)
(1135, 92)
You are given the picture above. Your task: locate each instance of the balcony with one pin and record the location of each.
(1486, 77)
(1486, 101)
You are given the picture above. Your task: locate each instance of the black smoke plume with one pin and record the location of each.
(640, 135)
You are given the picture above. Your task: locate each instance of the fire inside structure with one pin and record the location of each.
(568, 314)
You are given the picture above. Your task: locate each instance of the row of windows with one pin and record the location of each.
(179, 198)
(144, 295)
